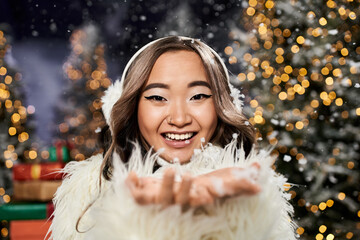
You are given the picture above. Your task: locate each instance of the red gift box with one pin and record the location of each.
(42, 171)
(29, 229)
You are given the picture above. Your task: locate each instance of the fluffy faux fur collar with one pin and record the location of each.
(115, 215)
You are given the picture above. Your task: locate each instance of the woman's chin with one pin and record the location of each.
(176, 158)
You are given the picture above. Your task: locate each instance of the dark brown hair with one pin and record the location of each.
(124, 124)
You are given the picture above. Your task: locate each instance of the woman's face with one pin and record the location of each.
(176, 109)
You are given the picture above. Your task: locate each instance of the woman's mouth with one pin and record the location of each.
(179, 136)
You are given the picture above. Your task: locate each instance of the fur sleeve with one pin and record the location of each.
(79, 188)
(263, 216)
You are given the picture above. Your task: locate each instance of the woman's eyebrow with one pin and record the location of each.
(199, 83)
(156, 85)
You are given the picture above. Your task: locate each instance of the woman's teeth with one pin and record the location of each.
(179, 137)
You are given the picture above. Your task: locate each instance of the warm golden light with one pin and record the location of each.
(6, 198)
(279, 51)
(12, 131)
(287, 33)
(314, 208)
(9, 163)
(342, 11)
(344, 52)
(299, 125)
(232, 60)
(269, 4)
(15, 117)
(331, 4)
(8, 79)
(305, 83)
(258, 119)
(330, 203)
(322, 228)
(330, 237)
(241, 76)
(288, 69)
(262, 29)
(252, 3)
(319, 236)
(322, 21)
(250, 11)
(350, 165)
(300, 40)
(349, 235)
(325, 71)
(352, 15)
(302, 71)
(228, 50)
(295, 48)
(45, 154)
(323, 95)
(341, 196)
(300, 230)
(332, 95)
(358, 111)
(254, 103)
(32, 154)
(3, 71)
(329, 81)
(339, 102)
(23, 137)
(279, 59)
(282, 95)
(251, 76)
(322, 207)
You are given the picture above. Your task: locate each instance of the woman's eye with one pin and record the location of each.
(200, 96)
(155, 98)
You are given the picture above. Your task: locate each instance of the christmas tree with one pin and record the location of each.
(300, 65)
(80, 109)
(15, 130)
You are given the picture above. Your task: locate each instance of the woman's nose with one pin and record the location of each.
(179, 115)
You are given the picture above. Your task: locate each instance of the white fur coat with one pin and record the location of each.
(115, 215)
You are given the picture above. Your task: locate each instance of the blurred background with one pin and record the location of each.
(297, 64)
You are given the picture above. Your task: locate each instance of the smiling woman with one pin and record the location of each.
(178, 99)
(180, 163)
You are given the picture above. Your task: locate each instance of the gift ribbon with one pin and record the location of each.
(35, 171)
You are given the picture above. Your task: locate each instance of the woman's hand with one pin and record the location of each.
(224, 183)
(194, 191)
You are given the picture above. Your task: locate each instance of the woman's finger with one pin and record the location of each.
(144, 196)
(166, 195)
(246, 186)
(132, 180)
(200, 196)
(183, 194)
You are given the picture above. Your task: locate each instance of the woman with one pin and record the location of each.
(175, 167)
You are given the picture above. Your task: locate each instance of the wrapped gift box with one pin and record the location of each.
(43, 171)
(59, 153)
(26, 211)
(29, 230)
(35, 190)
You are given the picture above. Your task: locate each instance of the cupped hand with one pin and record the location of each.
(194, 191)
(165, 191)
(225, 183)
